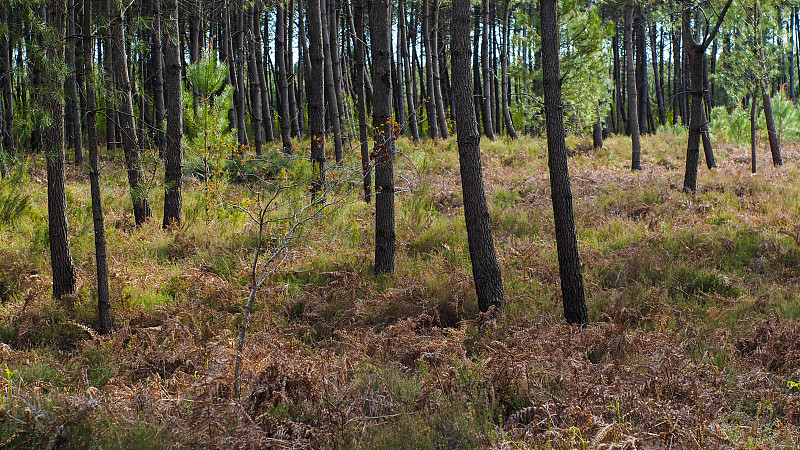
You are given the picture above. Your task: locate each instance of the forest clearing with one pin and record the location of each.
(693, 308)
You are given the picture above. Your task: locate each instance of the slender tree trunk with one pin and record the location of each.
(677, 77)
(506, 88)
(282, 78)
(569, 264)
(266, 110)
(316, 91)
(380, 29)
(295, 122)
(133, 162)
(753, 131)
(441, 119)
(256, 117)
(173, 152)
(642, 88)
(659, 82)
(73, 99)
(430, 103)
(361, 106)
(406, 68)
(53, 82)
(477, 96)
(633, 117)
(195, 41)
(485, 268)
(334, 18)
(108, 66)
(618, 101)
(103, 303)
(158, 78)
(332, 107)
(486, 104)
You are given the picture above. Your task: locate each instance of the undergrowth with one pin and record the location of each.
(693, 302)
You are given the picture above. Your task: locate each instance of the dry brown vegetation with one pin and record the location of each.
(694, 341)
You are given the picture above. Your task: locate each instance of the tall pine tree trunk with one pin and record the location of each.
(408, 73)
(633, 116)
(6, 92)
(53, 83)
(73, 98)
(282, 78)
(316, 91)
(361, 105)
(133, 161)
(569, 264)
(380, 29)
(103, 303)
(331, 98)
(485, 268)
(486, 104)
(659, 82)
(173, 152)
(506, 88)
(441, 119)
(430, 100)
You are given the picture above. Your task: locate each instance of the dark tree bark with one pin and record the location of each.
(290, 68)
(108, 67)
(316, 90)
(485, 268)
(361, 105)
(695, 53)
(133, 162)
(618, 90)
(477, 96)
(790, 33)
(53, 81)
(157, 57)
(282, 78)
(195, 40)
(569, 264)
(334, 18)
(633, 116)
(753, 132)
(73, 98)
(441, 119)
(659, 82)
(506, 88)
(380, 29)
(266, 110)
(173, 152)
(486, 104)
(332, 107)
(642, 85)
(430, 100)
(253, 84)
(678, 109)
(406, 68)
(103, 303)
(774, 141)
(597, 129)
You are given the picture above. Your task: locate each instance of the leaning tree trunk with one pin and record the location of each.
(316, 91)
(485, 268)
(173, 152)
(569, 264)
(53, 82)
(633, 116)
(361, 105)
(380, 29)
(133, 161)
(774, 141)
(103, 303)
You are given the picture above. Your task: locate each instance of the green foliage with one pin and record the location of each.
(14, 200)
(583, 66)
(735, 125)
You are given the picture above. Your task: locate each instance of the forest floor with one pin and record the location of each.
(694, 302)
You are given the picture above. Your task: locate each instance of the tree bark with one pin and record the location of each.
(133, 162)
(430, 103)
(441, 119)
(173, 152)
(659, 82)
(295, 122)
(642, 88)
(485, 268)
(73, 98)
(6, 91)
(316, 91)
(569, 264)
(486, 104)
(156, 54)
(53, 103)
(332, 107)
(361, 105)
(506, 88)
(633, 115)
(406, 68)
(753, 132)
(266, 110)
(103, 303)
(380, 29)
(282, 79)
